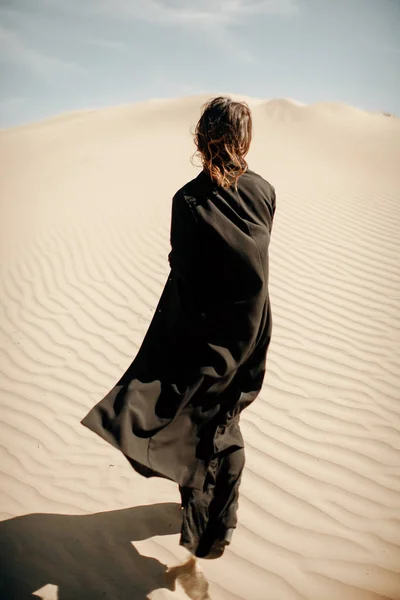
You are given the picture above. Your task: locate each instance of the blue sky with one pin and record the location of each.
(60, 55)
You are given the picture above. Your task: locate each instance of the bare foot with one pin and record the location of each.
(191, 577)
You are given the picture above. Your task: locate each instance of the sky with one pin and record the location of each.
(63, 55)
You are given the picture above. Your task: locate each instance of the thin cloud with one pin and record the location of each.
(108, 44)
(14, 49)
(214, 19)
(23, 22)
(8, 103)
(198, 13)
(195, 12)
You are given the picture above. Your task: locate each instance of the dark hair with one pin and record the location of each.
(222, 137)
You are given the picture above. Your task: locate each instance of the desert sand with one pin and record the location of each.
(84, 238)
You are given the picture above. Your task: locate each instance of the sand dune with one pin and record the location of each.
(84, 238)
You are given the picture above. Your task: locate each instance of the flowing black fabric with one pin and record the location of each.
(210, 514)
(202, 360)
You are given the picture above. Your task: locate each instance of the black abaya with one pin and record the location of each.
(175, 411)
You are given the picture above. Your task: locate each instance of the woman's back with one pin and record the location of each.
(224, 238)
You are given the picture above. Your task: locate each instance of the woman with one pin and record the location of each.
(175, 411)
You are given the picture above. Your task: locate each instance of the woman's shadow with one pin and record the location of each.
(89, 557)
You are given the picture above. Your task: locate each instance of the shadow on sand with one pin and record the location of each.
(88, 557)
